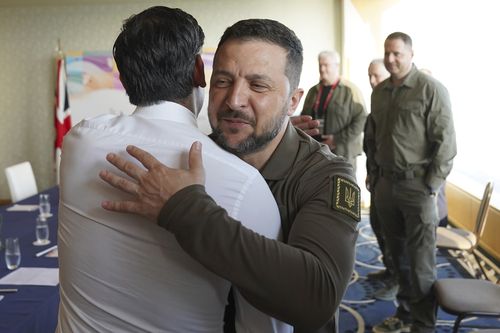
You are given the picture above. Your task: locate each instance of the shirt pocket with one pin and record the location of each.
(411, 119)
(412, 109)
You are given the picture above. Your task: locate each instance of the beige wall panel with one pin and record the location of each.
(28, 37)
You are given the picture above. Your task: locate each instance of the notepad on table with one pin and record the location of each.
(22, 208)
(32, 276)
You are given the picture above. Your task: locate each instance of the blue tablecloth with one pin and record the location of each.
(32, 309)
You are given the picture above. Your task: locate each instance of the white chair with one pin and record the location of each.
(21, 181)
(464, 240)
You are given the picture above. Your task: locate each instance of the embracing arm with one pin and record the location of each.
(301, 282)
(306, 123)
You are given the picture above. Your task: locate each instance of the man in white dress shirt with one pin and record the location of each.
(117, 275)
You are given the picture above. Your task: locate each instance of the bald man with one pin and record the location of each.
(377, 72)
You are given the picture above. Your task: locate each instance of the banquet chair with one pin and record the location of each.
(468, 298)
(21, 181)
(467, 241)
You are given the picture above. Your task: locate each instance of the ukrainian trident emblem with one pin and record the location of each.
(350, 197)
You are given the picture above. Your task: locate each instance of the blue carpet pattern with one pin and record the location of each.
(360, 311)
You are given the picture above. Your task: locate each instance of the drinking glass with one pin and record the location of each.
(44, 205)
(42, 231)
(12, 253)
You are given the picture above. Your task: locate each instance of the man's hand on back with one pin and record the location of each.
(306, 123)
(153, 186)
(329, 140)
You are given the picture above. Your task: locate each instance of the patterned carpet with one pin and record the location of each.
(360, 311)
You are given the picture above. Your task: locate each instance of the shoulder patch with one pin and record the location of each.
(345, 197)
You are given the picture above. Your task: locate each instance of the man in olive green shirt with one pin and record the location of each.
(302, 278)
(412, 139)
(339, 106)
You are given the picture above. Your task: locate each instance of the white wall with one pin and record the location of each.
(28, 38)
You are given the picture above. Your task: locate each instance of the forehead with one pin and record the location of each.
(376, 68)
(253, 54)
(395, 44)
(373, 68)
(326, 59)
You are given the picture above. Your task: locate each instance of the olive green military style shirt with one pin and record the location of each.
(344, 118)
(411, 129)
(301, 279)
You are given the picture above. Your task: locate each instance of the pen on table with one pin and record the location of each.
(9, 290)
(41, 253)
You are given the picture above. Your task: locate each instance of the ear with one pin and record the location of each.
(199, 72)
(295, 100)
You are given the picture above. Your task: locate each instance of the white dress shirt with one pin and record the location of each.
(122, 273)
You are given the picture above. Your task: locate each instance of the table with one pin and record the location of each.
(33, 309)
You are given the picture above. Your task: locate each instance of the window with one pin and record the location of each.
(457, 42)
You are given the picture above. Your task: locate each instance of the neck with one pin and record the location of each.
(328, 82)
(187, 103)
(260, 158)
(398, 80)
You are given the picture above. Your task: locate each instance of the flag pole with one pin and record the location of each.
(62, 112)
(59, 52)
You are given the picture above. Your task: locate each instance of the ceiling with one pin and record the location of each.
(17, 3)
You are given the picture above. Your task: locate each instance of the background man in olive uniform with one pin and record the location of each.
(339, 105)
(253, 91)
(412, 137)
(376, 74)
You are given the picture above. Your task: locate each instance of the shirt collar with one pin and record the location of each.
(340, 82)
(410, 80)
(283, 157)
(167, 111)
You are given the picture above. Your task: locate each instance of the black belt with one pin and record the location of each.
(401, 175)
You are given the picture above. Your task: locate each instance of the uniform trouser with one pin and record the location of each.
(379, 234)
(409, 218)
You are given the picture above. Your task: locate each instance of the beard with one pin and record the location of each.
(253, 143)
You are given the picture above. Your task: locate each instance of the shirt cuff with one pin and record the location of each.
(434, 183)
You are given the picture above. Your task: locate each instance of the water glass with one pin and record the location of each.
(12, 253)
(42, 231)
(44, 205)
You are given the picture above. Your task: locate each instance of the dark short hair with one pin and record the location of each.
(401, 35)
(273, 32)
(155, 54)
